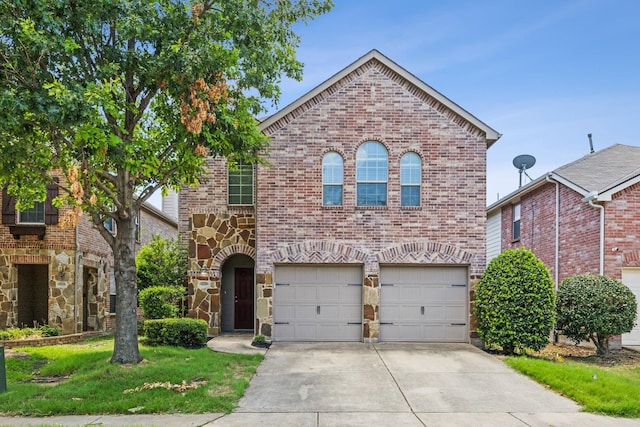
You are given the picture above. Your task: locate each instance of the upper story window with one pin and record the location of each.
(332, 179)
(35, 215)
(41, 213)
(240, 180)
(372, 170)
(410, 179)
(516, 222)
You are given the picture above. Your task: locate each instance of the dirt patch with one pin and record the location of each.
(623, 358)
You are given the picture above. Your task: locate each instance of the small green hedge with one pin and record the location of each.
(160, 302)
(26, 333)
(182, 332)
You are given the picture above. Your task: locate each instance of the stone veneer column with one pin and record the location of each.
(264, 303)
(8, 290)
(371, 302)
(204, 301)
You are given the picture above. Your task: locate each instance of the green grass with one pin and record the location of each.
(611, 391)
(95, 386)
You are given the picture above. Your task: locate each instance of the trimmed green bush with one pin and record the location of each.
(593, 308)
(515, 302)
(182, 332)
(161, 262)
(160, 302)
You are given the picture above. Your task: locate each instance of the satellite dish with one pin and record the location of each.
(522, 163)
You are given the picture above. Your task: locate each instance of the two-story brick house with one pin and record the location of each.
(582, 218)
(367, 224)
(57, 276)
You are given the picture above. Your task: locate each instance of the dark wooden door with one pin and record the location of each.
(243, 308)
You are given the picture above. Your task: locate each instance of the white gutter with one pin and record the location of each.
(557, 245)
(590, 199)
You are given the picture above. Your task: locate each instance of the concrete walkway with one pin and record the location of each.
(387, 384)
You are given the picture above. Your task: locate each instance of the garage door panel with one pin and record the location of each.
(631, 278)
(318, 303)
(423, 303)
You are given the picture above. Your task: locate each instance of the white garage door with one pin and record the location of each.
(631, 278)
(318, 303)
(424, 304)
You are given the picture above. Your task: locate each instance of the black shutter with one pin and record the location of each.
(50, 211)
(8, 207)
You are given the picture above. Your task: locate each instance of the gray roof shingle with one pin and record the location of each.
(604, 169)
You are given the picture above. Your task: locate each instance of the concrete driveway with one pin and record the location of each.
(398, 384)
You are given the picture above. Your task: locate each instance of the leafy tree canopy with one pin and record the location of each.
(124, 97)
(161, 262)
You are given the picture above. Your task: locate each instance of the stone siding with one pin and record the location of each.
(71, 256)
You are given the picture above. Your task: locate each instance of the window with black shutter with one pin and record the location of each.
(16, 220)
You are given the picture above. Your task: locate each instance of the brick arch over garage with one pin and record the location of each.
(631, 259)
(322, 252)
(424, 253)
(228, 251)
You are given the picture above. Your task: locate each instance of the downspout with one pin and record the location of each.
(557, 227)
(601, 208)
(556, 273)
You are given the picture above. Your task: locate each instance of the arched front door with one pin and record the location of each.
(238, 294)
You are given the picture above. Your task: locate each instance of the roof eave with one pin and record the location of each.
(491, 135)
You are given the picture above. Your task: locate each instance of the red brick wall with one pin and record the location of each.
(622, 223)
(374, 105)
(579, 230)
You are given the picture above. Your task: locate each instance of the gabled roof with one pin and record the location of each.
(490, 134)
(603, 171)
(598, 175)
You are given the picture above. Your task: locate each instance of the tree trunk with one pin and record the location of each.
(125, 348)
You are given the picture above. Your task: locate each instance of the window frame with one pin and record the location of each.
(332, 178)
(368, 164)
(516, 221)
(39, 208)
(240, 167)
(415, 181)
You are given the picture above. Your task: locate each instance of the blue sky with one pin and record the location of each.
(542, 73)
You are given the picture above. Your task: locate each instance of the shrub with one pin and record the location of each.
(49, 331)
(161, 262)
(183, 332)
(593, 308)
(514, 302)
(160, 302)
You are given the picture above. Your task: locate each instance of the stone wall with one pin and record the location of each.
(212, 239)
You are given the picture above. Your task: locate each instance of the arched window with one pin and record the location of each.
(332, 173)
(410, 178)
(372, 164)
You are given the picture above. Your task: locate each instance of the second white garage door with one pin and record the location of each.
(631, 278)
(318, 303)
(424, 304)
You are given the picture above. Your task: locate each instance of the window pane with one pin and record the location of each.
(410, 169)
(332, 195)
(240, 185)
(410, 195)
(372, 162)
(372, 194)
(516, 230)
(332, 168)
(35, 215)
(372, 165)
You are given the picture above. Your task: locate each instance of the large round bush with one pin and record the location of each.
(593, 308)
(515, 302)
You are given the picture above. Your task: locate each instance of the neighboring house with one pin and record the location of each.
(582, 218)
(366, 225)
(61, 277)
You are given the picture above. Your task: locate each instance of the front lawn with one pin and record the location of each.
(600, 386)
(77, 379)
